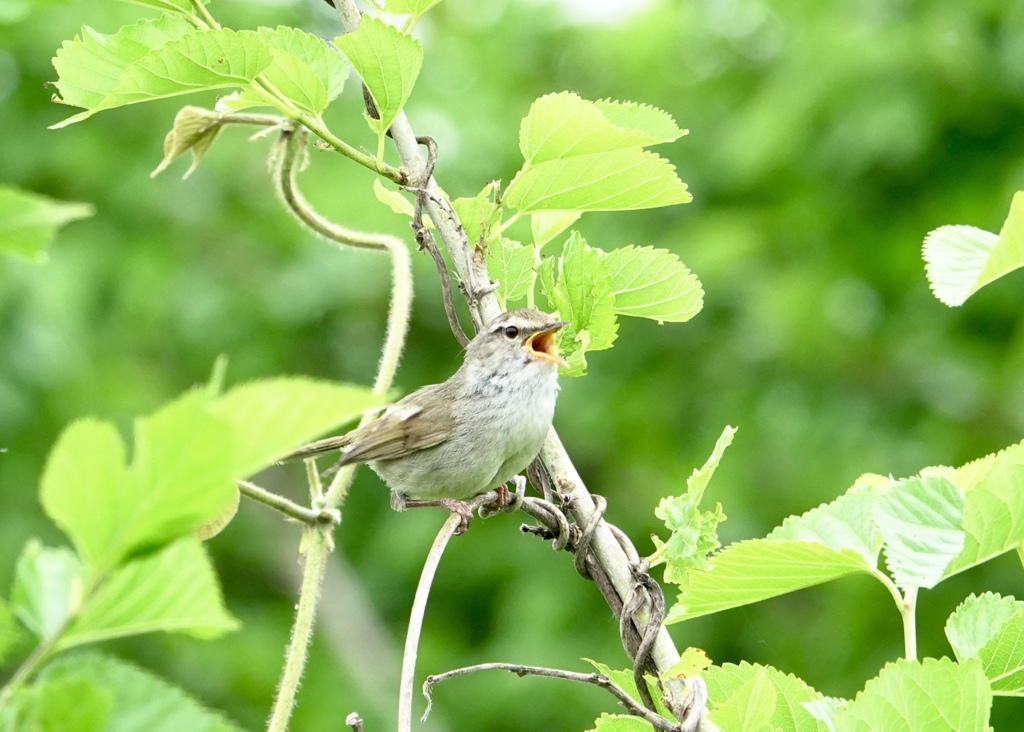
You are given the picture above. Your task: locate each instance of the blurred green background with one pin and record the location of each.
(826, 138)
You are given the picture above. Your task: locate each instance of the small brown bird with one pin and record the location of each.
(473, 433)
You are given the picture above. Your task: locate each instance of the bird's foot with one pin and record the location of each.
(458, 508)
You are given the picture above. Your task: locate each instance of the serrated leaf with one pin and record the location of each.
(691, 663)
(271, 417)
(73, 703)
(789, 713)
(991, 628)
(30, 221)
(478, 214)
(511, 265)
(620, 723)
(755, 570)
(933, 695)
(409, 7)
(658, 125)
(920, 521)
(993, 508)
(624, 679)
(142, 701)
(90, 66)
(578, 286)
(197, 61)
(194, 129)
(824, 709)
(653, 283)
(388, 62)
(960, 260)
(174, 590)
(616, 180)
(748, 709)
(314, 52)
(47, 590)
(563, 125)
(546, 225)
(694, 534)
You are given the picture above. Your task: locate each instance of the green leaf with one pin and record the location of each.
(546, 225)
(511, 265)
(960, 260)
(71, 704)
(197, 61)
(791, 694)
(174, 590)
(388, 62)
(269, 418)
(616, 180)
(194, 129)
(621, 723)
(478, 214)
(578, 286)
(826, 543)
(653, 283)
(142, 701)
(90, 66)
(933, 695)
(624, 679)
(694, 534)
(47, 588)
(749, 708)
(409, 7)
(392, 199)
(656, 124)
(29, 221)
(920, 521)
(991, 629)
(563, 125)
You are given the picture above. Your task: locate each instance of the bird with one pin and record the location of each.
(447, 442)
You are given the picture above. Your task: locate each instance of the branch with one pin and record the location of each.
(310, 516)
(632, 706)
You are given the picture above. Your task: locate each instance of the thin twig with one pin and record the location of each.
(632, 706)
(310, 516)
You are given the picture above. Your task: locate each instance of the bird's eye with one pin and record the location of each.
(511, 332)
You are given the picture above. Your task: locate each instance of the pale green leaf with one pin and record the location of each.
(920, 521)
(478, 214)
(546, 225)
(142, 701)
(194, 129)
(694, 534)
(658, 125)
(174, 589)
(409, 7)
(653, 283)
(511, 265)
(47, 588)
(933, 695)
(617, 180)
(825, 708)
(388, 62)
(624, 679)
(960, 260)
(89, 67)
(392, 199)
(751, 571)
(29, 221)
(691, 663)
(272, 417)
(197, 61)
(621, 723)
(563, 125)
(322, 59)
(72, 703)
(578, 286)
(993, 508)
(991, 629)
(789, 713)
(749, 708)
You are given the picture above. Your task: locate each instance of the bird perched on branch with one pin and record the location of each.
(473, 433)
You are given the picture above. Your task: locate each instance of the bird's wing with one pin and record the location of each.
(418, 421)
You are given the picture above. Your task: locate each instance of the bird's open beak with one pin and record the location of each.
(543, 346)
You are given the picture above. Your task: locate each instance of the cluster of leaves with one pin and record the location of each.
(927, 528)
(138, 565)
